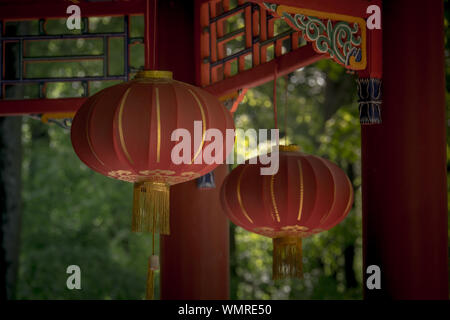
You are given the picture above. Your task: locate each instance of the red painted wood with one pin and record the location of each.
(194, 262)
(220, 33)
(227, 68)
(270, 28)
(264, 72)
(202, 44)
(404, 159)
(255, 23)
(294, 40)
(279, 46)
(374, 51)
(238, 100)
(194, 258)
(248, 27)
(213, 27)
(355, 8)
(263, 25)
(25, 9)
(36, 106)
(255, 56)
(241, 62)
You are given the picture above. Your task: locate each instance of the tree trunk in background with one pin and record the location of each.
(39, 138)
(10, 203)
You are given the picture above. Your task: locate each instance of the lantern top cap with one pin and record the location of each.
(291, 147)
(154, 74)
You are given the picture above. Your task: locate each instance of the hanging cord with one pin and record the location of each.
(274, 96)
(285, 107)
(150, 42)
(150, 64)
(275, 116)
(153, 235)
(153, 265)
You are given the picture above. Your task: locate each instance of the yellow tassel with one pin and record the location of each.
(151, 207)
(150, 284)
(153, 265)
(287, 258)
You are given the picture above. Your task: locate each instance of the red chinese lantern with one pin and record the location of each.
(124, 132)
(306, 196)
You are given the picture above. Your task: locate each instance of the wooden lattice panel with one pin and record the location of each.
(258, 37)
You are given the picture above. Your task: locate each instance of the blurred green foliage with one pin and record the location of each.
(72, 215)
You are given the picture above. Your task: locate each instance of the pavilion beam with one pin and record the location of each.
(38, 106)
(194, 257)
(356, 8)
(404, 187)
(263, 73)
(19, 10)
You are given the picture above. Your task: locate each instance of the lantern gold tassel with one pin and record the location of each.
(287, 258)
(151, 207)
(153, 265)
(150, 285)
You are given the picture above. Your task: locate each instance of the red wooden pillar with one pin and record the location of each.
(194, 262)
(404, 159)
(194, 257)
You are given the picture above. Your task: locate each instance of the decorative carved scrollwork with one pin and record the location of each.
(342, 37)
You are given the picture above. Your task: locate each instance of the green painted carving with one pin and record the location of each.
(270, 6)
(341, 40)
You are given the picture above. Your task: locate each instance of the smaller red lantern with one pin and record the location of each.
(306, 196)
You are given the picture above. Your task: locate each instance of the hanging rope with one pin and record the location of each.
(285, 107)
(153, 265)
(154, 32)
(150, 42)
(275, 112)
(150, 64)
(274, 96)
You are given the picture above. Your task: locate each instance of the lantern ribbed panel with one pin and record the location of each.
(124, 131)
(307, 195)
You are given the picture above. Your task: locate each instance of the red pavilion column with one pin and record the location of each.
(194, 257)
(404, 159)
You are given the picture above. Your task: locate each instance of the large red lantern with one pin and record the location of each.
(307, 195)
(124, 132)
